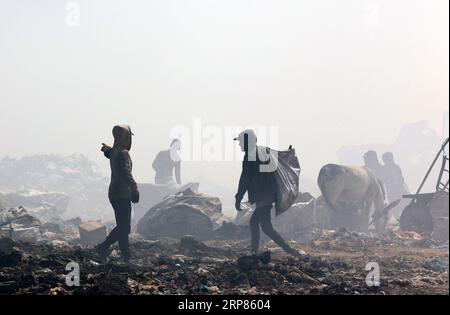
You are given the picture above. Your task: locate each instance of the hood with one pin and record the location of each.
(122, 137)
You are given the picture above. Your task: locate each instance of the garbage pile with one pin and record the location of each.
(43, 205)
(189, 266)
(150, 195)
(54, 185)
(19, 225)
(184, 213)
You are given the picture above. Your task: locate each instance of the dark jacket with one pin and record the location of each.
(260, 186)
(122, 184)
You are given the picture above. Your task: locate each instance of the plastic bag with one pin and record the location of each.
(287, 176)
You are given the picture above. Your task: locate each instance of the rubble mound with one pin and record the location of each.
(150, 195)
(44, 205)
(186, 213)
(17, 216)
(19, 225)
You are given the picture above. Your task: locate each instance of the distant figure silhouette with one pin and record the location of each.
(393, 178)
(371, 162)
(164, 164)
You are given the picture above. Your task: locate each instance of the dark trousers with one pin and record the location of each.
(261, 217)
(122, 212)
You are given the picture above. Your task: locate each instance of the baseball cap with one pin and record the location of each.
(250, 133)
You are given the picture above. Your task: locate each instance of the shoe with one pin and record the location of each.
(295, 253)
(103, 251)
(126, 256)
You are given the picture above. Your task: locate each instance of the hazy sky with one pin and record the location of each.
(326, 72)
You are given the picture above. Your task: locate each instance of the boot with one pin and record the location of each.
(103, 251)
(294, 252)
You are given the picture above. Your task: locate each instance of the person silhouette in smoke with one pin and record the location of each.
(261, 188)
(393, 178)
(371, 162)
(122, 191)
(166, 162)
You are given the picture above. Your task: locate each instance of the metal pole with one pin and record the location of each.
(431, 167)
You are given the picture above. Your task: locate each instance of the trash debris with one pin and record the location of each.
(42, 205)
(8, 287)
(52, 185)
(407, 235)
(18, 224)
(246, 263)
(10, 255)
(18, 216)
(188, 244)
(190, 266)
(436, 265)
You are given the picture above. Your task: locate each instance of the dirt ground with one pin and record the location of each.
(331, 264)
(402, 270)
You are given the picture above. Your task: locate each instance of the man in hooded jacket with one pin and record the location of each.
(122, 191)
(261, 188)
